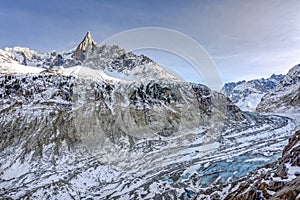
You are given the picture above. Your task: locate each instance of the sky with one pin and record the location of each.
(245, 39)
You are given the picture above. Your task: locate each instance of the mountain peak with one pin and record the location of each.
(87, 44)
(88, 38)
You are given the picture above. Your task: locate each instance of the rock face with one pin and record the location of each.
(120, 113)
(285, 96)
(279, 180)
(247, 94)
(86, 45)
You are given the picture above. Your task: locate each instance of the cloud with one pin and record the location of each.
(246, 38)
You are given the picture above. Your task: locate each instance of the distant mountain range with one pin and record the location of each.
(279, 93)
(111, 61)
(248, 94)
(285, 97)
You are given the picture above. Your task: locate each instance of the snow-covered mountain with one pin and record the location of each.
(100, 122)
(110, 60)
(285, 97)
(138, 95)
(247, 94)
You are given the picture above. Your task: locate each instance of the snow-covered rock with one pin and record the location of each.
(134, 109)
(285, 97)
(247, 94)
(64, 137)
(112, 60)
(7, 57)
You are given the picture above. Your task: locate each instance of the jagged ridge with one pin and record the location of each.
(285, 97)
(247, 94)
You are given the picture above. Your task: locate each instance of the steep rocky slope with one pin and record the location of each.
(121, 113)
(285, 97)
(127, 94)
(247, 94)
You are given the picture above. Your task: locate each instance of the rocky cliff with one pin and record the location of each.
(285, 97)
(247, 94)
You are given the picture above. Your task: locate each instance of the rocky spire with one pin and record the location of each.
(87, 44)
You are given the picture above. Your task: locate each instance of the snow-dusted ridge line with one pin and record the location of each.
(111, 60)
(247, 94)
(285, 97)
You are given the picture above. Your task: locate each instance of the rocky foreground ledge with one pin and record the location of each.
(279, 180)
